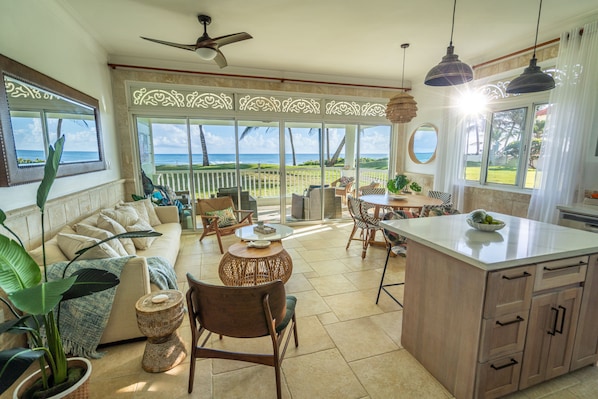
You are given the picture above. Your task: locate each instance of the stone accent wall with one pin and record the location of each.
(25, 222)
(426, 181)
(507, 202)
(519, 61)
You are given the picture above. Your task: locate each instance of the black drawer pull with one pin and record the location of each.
(556, 317)
(525, 274)
(552, 269)
(519, 319)
(560, 330)
(504, 366)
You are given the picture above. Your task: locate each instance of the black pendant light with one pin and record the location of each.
(450, 71)
(532, 79)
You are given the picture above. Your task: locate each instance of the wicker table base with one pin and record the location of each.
(159, 323)
(245, 266)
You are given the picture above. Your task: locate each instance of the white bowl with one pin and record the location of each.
(485, 227)
(259, 244)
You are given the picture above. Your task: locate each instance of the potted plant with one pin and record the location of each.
(415, 187)
(399, 183)
(33, 301)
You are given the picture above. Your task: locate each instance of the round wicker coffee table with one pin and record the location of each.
(246, 266)
(159, 315)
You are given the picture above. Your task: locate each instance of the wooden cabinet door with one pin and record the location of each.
(550, 336)
(509, 291)
(585, 350)
(537, 343)
(561, 344)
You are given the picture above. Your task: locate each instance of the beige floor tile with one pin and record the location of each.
(323, 374)
(328, 267)
(352, 305)
(360, 338)
(391, 323)
(363, 279)
(309, 303)
(256, 382)
(332, 285)
(298, 283)
(313, 337)
(397, 375)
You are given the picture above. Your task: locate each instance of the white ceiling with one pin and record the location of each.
(357, 41)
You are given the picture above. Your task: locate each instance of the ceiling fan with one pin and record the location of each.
(206, 47)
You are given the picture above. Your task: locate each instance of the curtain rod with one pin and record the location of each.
(270, 78)
(525, 50)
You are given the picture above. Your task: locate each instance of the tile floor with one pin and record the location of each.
(349, 347)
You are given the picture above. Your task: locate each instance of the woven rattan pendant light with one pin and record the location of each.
(402, 107)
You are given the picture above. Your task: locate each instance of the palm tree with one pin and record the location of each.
(204, 147)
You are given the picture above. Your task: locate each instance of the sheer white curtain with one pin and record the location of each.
(450, 172)
(568, 130)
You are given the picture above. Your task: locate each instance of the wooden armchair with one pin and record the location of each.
(219, 216)
(343, 187)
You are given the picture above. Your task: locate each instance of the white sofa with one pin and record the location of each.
(134, 278)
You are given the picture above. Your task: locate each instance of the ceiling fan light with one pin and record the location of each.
(532, 80)
(206, 53)
(450, 71)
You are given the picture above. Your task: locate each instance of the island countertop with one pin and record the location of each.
(522, 241)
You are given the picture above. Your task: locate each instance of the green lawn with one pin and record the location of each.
(500, 175)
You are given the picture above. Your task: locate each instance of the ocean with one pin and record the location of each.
(183, 159)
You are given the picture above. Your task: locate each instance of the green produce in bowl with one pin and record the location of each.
(478, 216)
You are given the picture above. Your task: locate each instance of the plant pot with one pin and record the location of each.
(78, 391)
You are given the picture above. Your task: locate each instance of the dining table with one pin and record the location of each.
(397, 201)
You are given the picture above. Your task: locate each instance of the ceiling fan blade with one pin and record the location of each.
(220, 60)
(228, 39)
(190, 47)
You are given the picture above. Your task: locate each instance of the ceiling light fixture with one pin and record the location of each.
(206, 53)
(450, 71)
(402, 107)
(532, 79)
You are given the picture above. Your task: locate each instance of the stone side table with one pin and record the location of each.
(159, 315)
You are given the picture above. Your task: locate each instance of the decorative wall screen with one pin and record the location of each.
(143, 96)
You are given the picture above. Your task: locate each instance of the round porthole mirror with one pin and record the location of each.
(422, 143)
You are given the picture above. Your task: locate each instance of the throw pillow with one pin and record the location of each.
(104, 222)
(101, 234)
(71, 243)
(138, 206)
(141, 242)
(226, 217)
(125, 216)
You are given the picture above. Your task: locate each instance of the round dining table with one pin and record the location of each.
(398, 201)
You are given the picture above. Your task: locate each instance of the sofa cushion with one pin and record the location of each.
(53, 252)
(141, 242)
(125, 216)
(106, 223)
(145, 209)
(139, 208)
(71, 243)
(167, 245)
(101, 234)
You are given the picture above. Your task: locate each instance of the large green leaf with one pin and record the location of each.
(42, 298)
(18, 270)
(2, 217)
(13, 363)
(90, 281)
(50, 171)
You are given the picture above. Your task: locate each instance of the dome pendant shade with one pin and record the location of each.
(531, 80)
(401, 108)
(450, 71)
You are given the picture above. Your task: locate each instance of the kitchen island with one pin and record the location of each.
(490, 313)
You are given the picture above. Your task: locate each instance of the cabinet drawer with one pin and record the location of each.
(498, 377)
(559, 273)
(503, 335)
(509, 291)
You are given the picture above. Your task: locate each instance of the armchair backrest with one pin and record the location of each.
(240, 312)
(214, 204)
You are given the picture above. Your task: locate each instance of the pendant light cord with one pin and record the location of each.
(453, 24)
(537, 28)
(403, 73)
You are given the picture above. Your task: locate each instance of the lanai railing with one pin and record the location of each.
(261, 183)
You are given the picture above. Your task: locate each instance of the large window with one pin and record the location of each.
(503, 145)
